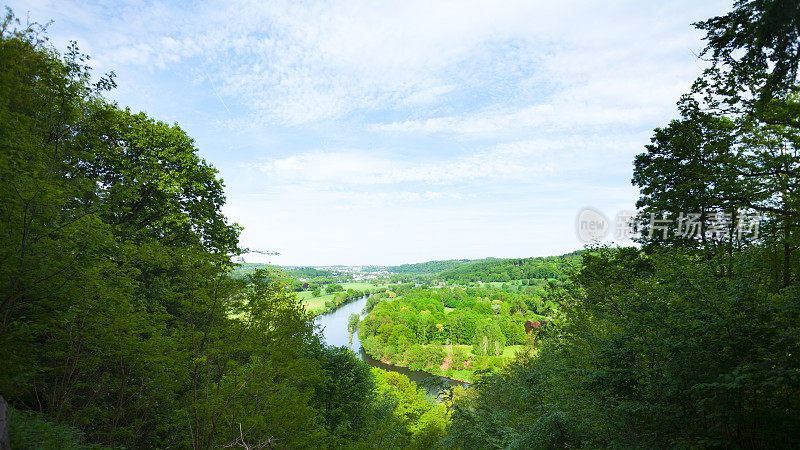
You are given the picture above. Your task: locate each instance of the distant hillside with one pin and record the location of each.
(308, 272)
(430, 267)
(297, 272)
(459, 270)
(242, 269)
(492, 269)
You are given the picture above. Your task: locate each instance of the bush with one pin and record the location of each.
(459, 357)
(390, 353)
(434, 355)
(31, 431)
(415, 357)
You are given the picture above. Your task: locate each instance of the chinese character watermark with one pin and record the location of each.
(593, 225)
(625, 225)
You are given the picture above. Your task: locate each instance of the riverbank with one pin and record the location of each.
(469, 362)
(333, 327)
(420, 378)
(333, 305)
(395, 366)
(328, 303)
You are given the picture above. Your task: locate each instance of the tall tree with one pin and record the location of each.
(687, 178)
(755, 50)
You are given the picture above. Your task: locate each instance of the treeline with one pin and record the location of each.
(504, 270)
(309, 272)
(465, 271)
(300, 278)
(429, 267)
(118, 314)
(242, 269)
(692, 340)
(341, 298)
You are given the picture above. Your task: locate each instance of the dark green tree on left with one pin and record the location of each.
(114, 253)
(117, 312)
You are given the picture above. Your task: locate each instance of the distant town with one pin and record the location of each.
(355, 273)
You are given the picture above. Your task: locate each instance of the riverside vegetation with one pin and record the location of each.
(120, 324)
(451, 331)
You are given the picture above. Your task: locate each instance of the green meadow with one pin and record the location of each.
(316, 304)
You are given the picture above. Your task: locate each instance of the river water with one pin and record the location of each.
(334, 330)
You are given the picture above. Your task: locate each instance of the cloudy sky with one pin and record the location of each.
(364, 132)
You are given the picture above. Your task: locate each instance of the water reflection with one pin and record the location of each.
(334, 324)
(433, 384)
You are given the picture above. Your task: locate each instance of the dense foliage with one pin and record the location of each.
(655, 350)
(429, 267)
(504, 270)
(692, 340)
(449, 331)
(31, 430)
(119, 321)
(421, 421)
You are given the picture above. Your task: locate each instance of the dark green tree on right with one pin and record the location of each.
(692, 339)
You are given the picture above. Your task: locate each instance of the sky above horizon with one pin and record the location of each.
(358, 132)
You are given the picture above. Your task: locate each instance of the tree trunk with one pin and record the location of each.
(5, 425)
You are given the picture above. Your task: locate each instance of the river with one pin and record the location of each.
(334, 330)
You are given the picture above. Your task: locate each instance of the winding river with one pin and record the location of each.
(334, 330)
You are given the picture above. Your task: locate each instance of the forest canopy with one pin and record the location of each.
(123, 320)
(119, 321)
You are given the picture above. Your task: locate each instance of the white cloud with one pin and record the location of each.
(354, 131)
(546, 117)
(506, 161)
(301, 62)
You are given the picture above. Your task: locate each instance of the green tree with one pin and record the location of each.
(489, 339)
(345, 396)
(331, 288)
(424, 422)
(687, 176)
(117, 314)
(755, 54)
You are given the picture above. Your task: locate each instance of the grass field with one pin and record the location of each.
(318, 303)
(508, 352)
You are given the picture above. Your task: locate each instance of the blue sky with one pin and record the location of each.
(363, 132)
